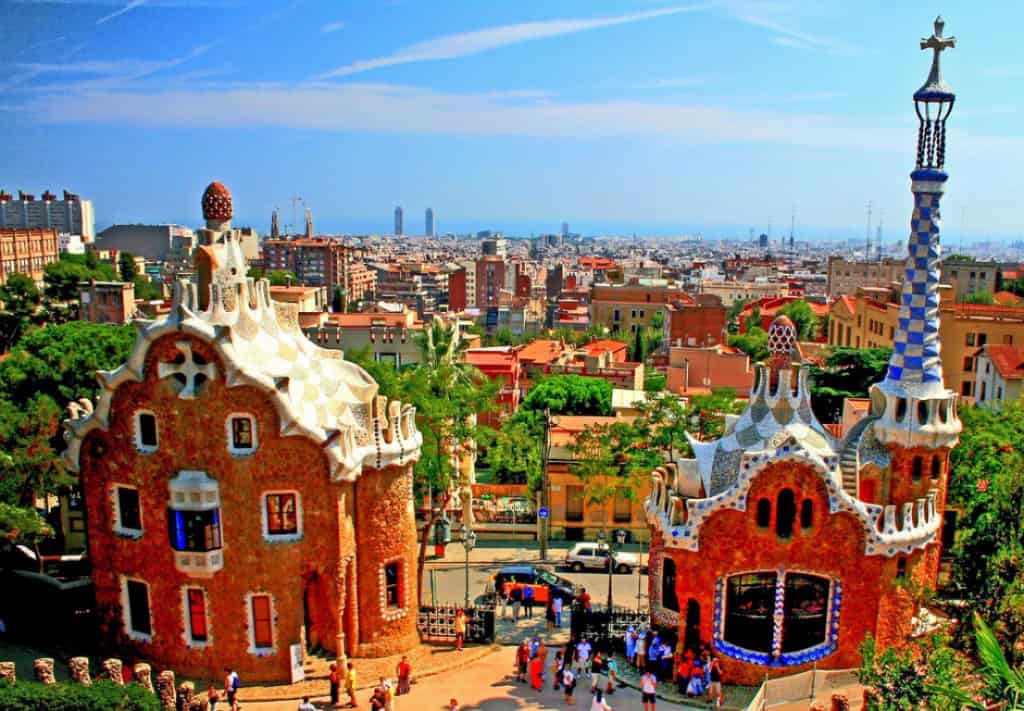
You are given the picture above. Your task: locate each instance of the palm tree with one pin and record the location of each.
(1001, 684)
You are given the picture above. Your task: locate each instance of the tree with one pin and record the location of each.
(707, 413)
(517, 455)
(280, 277)
(382, 371)
(638, 353)
(669, 419)
(256, 273)
(848, 372)
(753, 320)
(754, 343)
(980, 297)
(803, 317)
(570, 395)
(1002, 685)
(21, 300)
(127, 268)
(987, 486)
(906, 679)
(654, 381)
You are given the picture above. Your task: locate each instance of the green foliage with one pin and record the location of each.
(654, 382)
(754, 343)
(907, 679)
(706, 415)
(517, 455)
(281, 277)
(638, 351)
(103, 695)
(18, 523)
(753, 320)
(570, 395)
(126, 267)
(21, 300)
(29, 438)
(505, 337)
(668, 418)
(980, 297)
(145, 289)
(848, 372)
(256, 273)
(803, 317)
(61, 278)
(1002, 682)
(382, 371)
(957, 257)
(987, 486)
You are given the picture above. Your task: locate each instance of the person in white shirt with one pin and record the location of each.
(556, 605)
(306, 705)
(599, 703)
(582, 665)
(648, 687)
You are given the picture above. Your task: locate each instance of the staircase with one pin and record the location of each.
(849, 459)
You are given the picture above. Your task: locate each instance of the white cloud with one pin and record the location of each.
(132, 4)
(794, 38)
(382, 108)
(468, 43)
(333, 26)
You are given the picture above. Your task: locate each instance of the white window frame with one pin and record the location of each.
(393, 613)
(126, 610)
(145, 448)
(115, 504)
(241, 451)
(251, 624)
(187, 618)
(265, 517)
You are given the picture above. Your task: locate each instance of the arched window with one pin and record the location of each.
(806, 514)
(669, 600)
(922, 412)
(936, 466)
(915, 468)
(901, 409)
(764, 513)
(785, 513)
(805, 615)
(901, 568)
(750, 607)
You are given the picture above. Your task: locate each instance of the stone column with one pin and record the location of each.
(80, 670)
(7, 672)
(142, 674)
(43, 667)
(165, 691)
(113, 670)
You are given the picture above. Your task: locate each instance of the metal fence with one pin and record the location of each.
(805, 686)
(605, 634)
(438, 623)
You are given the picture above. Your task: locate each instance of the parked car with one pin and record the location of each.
(544, 582)
(595, 556)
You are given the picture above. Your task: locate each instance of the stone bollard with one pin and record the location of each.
(8, 673)
(165, 691)
(113, 670)
(840, 702)
(79, 667)
(142, 674)
(43, 667)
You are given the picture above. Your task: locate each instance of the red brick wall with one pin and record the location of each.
(193, 435)
(700, 323)
(457, 291)
(732, 542)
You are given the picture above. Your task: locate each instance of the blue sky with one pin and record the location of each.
(657, 117)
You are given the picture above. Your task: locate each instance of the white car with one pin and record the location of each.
(595, 557)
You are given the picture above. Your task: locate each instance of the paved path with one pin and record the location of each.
(487, 685)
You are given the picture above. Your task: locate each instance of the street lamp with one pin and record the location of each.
(468, 541)
(613, 546)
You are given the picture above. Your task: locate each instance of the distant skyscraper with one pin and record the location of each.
(429, 227)
(72, 215)
(762, 241)
(399, 230)
(565, 230)
(275, 224)
(309, 223)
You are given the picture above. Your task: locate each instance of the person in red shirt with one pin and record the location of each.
(404, 674)
(584, 600)
(522, 660)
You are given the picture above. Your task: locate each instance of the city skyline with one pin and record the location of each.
(664, 118)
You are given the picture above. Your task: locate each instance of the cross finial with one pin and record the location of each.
(937, 43)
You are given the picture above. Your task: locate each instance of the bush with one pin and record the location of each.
(103, 695)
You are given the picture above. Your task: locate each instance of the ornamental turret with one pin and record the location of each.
(913, 406)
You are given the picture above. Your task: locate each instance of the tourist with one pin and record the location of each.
(231, 684)
(549, 614)
(350, 685)
(584, 601)
(377, 700)
(641, 651)
(522, 660)
(537, 673)
(568, 684)
(597, 679)
(460, 629)
(666, 661)
(630, 644)
(715, 681)
(453, 705)
(335, 681)
(306, 705)
(212, 697)
(556, 670)
(695, 688)
(654, 655)
(648, 687)
(613, 673)
(541, 651)
(684, 668)
(582, 665)
(599, 704)
(404, 673)
(516, 593)
(528, 594)
(556, 607)
(389, 695)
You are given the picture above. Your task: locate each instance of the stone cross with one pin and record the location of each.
(188, 370)
(937, 43)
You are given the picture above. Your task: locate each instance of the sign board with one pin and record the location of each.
(543, 512)
(298, 672)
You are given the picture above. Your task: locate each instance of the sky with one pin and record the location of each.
(617, 117)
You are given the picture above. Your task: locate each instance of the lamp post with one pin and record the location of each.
(468, 541)
(614, 544)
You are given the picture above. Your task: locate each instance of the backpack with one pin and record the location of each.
(236, 682)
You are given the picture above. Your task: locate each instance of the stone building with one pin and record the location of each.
(784, 547)
(245, 489)
(106, 301)
(27, 251)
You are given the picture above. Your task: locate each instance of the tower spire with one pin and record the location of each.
(913, 403)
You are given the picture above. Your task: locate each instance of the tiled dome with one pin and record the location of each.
(217, 202)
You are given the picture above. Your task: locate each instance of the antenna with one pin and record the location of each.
(878, 235)
(867, 245)
(792, 224)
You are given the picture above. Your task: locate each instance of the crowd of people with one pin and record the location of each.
(696, 672)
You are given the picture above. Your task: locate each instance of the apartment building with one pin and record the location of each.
(27, 251)
(624, 309)
(315, 262)
(106, 302)
(71, 214)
